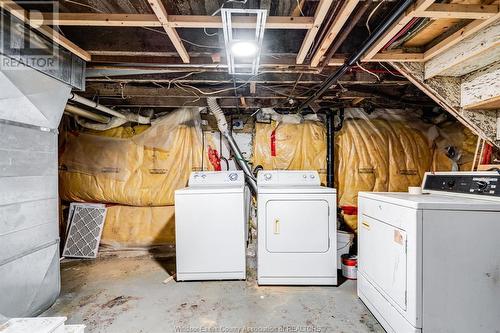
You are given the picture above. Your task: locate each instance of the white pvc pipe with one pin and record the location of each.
(87, 114)
(82, 100)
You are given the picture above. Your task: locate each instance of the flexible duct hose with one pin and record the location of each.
(224, 129)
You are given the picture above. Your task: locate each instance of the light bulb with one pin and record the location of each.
(244, 49)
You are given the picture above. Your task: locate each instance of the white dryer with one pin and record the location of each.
(431, 262)
(211, 226)
(297, 229)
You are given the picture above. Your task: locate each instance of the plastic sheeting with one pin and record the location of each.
(128, 226)
(391, 150)
(137, 166)
(291, 146)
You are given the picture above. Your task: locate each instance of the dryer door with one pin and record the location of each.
(297, 226)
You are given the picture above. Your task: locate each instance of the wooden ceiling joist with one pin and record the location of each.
(339, 21)
(319, 16)
(162, 15)
(53, 35)
(174, 21)
(458, 36)
(458, 11)
(420, 6)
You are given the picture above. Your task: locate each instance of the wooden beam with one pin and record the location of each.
(420, 6)
(458, 11)
(339, 21)
(481, 90)
(319, 16)
(162, 15)
(393, 56)
(174, 21)
(17, 11)
(471, 54)
(458, 36)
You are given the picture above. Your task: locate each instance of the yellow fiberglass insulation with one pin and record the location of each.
(128, 226)
(140, 166)
(284, 146)
(378, 155)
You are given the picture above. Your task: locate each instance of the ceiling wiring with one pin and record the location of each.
(371, 14)
(367, 71)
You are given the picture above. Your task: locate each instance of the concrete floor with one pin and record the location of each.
(127, 294)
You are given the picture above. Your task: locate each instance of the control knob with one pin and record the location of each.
(267, 176)
(233, 176)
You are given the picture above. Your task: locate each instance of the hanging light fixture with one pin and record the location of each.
(243, 46)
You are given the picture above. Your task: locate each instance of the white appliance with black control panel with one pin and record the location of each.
(297, 229)
(431, 262)
(211, 226)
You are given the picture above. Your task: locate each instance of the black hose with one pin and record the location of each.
(354, 58)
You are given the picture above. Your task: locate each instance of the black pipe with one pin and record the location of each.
(354, 58)
(330, 148)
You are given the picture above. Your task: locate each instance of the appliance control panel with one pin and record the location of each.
(282, 177)
(212, 178)
(474, 184)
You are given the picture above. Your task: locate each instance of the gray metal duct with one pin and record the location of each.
(31, 106)
(224, 129)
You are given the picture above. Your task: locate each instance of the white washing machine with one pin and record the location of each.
(297, 229)
(211, 226)
(431, 262)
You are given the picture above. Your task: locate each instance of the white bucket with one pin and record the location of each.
(350, 266)
(344, 242)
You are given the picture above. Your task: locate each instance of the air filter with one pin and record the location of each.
(85, 232)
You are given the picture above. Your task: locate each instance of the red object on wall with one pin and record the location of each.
(488, 150)
(273, 143)
(349, 210)
(214, 158)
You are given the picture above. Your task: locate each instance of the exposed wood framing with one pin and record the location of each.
(420, 6)
(319, 16)
(481, 90)
(458, 36)
(395, 56)
(339, 21)
(162, 15)
(458, 11)
(446, 92)
(174, 21)
(476, 51)
(55, 36)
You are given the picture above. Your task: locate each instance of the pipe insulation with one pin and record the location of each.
(129, 116)
(76, 111)
(224, 129)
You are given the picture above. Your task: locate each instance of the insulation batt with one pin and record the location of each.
(139, 166)
(291, 146)
(128, 226)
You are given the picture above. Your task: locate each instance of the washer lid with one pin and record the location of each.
(432, 201)
(214, 189)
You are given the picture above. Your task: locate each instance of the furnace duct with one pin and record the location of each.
(224, 129)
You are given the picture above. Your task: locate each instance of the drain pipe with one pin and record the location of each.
(224, 129)
(75, 110)
(353, 59)
(330, 149)
(129, 116)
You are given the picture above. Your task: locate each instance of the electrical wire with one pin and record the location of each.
(300, 8)
(367, 71)
(370, 16)
(84, 5)
(391, 72)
